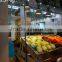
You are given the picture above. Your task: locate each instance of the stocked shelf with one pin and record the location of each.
(44, 56)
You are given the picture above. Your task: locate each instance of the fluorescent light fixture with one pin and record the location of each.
(35, 10)
(44, 12)
(9, 6)
(26, 6)
(31, 10)
(13, 7)
(54, 7)
(27, 0)
(48, 15)
(40, 3)
(23, 4)
(38, 13)
(52, 14)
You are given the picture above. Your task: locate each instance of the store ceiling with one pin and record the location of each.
(54, 5)
(46, 2)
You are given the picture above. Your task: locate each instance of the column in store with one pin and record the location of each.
(4, 57)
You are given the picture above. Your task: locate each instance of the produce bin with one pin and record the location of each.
(50, 56)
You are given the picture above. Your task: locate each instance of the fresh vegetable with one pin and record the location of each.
(39, 45)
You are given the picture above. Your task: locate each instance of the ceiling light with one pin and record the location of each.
(40, 3)
(48, 15)
(26, 6)
(31, 10)
(54, 7)
(13, 7)
(44, 12)
(35, 10)
(52, 14)
(38, 13)
(27, 0)
(23, 4)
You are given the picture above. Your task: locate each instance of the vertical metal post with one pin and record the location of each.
(23, 18)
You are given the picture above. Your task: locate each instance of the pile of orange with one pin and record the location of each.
(53, 39)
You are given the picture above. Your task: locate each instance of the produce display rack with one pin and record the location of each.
(45, 57)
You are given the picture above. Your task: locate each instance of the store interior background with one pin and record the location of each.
(37, 16)
(41, 16)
